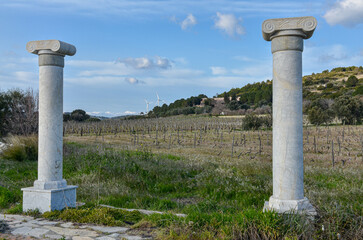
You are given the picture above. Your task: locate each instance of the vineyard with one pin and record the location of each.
(218, 136)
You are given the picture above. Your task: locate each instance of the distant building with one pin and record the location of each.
(216, 101)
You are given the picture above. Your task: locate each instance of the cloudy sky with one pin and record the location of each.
(128, 50)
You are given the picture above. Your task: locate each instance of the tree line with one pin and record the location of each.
(335, 94)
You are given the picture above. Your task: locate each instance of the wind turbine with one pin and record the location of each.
(157, 95)
(147, 106)
(158, 100)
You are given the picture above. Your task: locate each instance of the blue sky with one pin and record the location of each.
(129, 50)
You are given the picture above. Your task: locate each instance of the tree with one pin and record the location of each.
(208, 102)
(320, 112)
(66, 117)
(352, 81)
(4, 112)
(79, 115)
(349, 109)
(226, 98)
(251, 122)
(233, 105)
(18, 112)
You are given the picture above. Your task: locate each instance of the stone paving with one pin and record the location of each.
(26, 227)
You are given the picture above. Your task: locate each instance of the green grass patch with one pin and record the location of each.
(7, 197)
(96, 215)
(223, 198)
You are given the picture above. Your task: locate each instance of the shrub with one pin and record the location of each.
(251, 122)
(79, 115)
(352, 81)
(93, 119)
(320, 112)
(330, 85)
(233, 105)
(349, 109)
(6, 197)
(358, 91)
(321, 87)
(21, 149)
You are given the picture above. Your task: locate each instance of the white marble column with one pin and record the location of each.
(286, 36)
(50, 191)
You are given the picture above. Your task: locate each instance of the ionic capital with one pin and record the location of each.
(299, 26)
(55, 46)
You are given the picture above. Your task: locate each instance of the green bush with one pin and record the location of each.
(6, 197)
(93, 119)
(358, 91)
(21, 149)
(251, 122)
(352, 81)
(320, 112)
(349, 109)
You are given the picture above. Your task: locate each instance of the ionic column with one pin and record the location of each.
(50, 191)
(286, 36)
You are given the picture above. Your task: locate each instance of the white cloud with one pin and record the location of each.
(18, 72)
(146, 63)
(93, 113)
(162, 62)
(89, 72)
(345, 12)
(229, 24)
(318, 58)
(133, 80)
(140, 63)
(218, 70)
(190, 21)
(130, 113)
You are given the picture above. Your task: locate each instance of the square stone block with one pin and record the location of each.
(49, 199)
(302, 206)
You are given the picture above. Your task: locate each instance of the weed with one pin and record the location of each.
(95, 215)
(21, 149)
(6, 197)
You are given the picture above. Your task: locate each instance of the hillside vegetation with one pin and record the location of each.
(327, 95)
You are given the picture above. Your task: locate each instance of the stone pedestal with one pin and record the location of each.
(286, 36)
(50, 191)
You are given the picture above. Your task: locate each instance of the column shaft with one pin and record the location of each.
(287, 125)
(50, 123)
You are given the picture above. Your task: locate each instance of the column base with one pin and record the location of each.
(50, 184)
(302, 206)
(48, 199)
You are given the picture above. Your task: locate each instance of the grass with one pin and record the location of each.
(222, 196)
(21, 148)
(96, 215)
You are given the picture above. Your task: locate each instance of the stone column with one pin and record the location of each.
(50, 191)
(286, 36)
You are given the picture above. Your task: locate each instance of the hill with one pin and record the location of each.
(324, 87)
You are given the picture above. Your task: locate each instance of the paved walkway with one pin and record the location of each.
(25, 227)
